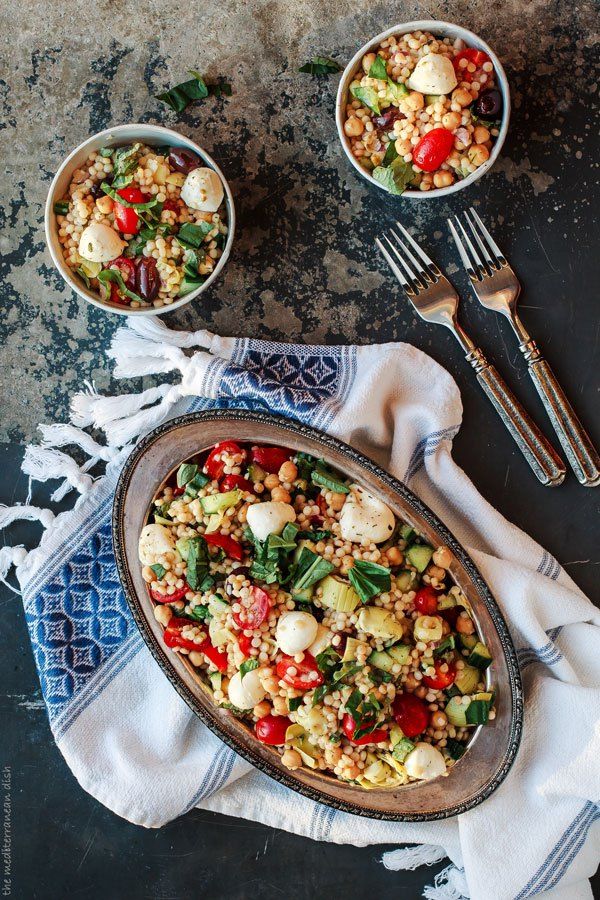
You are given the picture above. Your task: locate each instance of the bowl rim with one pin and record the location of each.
(425, 25)
(128, 132)
(514, 685)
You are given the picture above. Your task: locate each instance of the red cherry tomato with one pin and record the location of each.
(270, 459)
(477, 57)
(271, 730)
(322, 503)
(254, 615)
(306, 676)
(349, 727)
(127, 269)
(433, 149)
(215, 466)
(115, 295)
(245, 644)
(171, 205)
(172, 634)
(217, 657)
(170, 598)
(441, 680)
(178, 491)
(231, 482)
(411, 714)
(126, 217)
(133, 195)
(426, 601)
(232, 548)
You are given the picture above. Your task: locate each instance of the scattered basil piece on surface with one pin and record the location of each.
(368, 97)
(369, 579)
(158, 570)
(196, 88)
(247, 666)
(320, 65)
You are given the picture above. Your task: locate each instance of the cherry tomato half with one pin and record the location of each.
(245, 644)
(349, 728)
(172, 634)
(411, 714)
(214, 465)
(127, 269)
(217, 657)
(231, 482)
(170, 598)
(433, 149)
(441, 680)
(270, 459)
(306, 674)
(256, 613)
(271, 729)
(232, 548)
(426, 601)
(115, 294)
(477, 57)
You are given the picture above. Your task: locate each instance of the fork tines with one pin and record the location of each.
(416, 277)
(486, 256)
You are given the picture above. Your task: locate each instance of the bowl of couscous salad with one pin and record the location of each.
(423, 109)
(139, 220)
(316, 615)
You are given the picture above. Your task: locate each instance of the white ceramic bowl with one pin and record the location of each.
(153, 135)
(439, 29)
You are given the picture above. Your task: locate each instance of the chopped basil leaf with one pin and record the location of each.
(321, 535)
(192, 236)
(295, 703)
(111, 191)
(305, 463)
(378, 69)
(320, 693)
(191, 277)
(369, 579)
(368, 97)
(346, 670)
(323, 477)
(396, 90)
(328, 661)
(455, 748)
(114, 275)
(201, 613)
(197, 562)
(320, 65)
(185, 473)
(390, 154)
(158, 570)
(61, 208)
(206, 583)
(247, 666)
(183, 94)
(83, 275)
(309, 569)
(396, 177)
(124, 165)
(378, 676)
(150, 233)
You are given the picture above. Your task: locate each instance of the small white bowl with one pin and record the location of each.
(120, 135)
(439, 29)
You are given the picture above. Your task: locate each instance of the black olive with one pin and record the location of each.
(183, 160)
(96, 189)
(147, 279)
(489, 104)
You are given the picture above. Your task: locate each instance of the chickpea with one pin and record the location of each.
(291, 759)
(421, 692)
(411, 683)
(281, 495)
(262, 709)
(288, 471)
(352, 772)
(196, 659)
(367, 61)
(436, 573)
(442, 557)
(477, 154)
(443, 179)
(280, 706)
(163, 614)
(464, 624)
(395, 556)
(336, 501)
(481, 134)
(271, 481)
(439, 720)
(353, 127)
(462, 97)
(414, 101)
(451, 120)
(403, 146)
(148, 575)
(104, 204)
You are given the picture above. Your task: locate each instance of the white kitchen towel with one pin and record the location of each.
(132, 742)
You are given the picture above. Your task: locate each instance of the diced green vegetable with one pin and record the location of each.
(255, 473)
(446, 646)
(183, 546)
(401, 750)
(160, 520)
(214, 503)
(446, 601)
(369, 579)
(406, 580)
(456, 711)
(105, 152)
(352, 648)
(309, 569)
(400, 653)
(199, 612)
(381, 660)
(61, 208)
(454, 748)
(480, 656)
(338, 595)
(407, 532)
(217, 606)
(194, 486)
(419, 556)
(324, 477)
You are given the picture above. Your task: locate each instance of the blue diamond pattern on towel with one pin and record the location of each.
(78, 620)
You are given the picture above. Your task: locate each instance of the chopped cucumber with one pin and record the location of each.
(467, 680)
(350, 651)
(216, 502)
(338, 594)
(419, 556)
(305, 595)
(446, 646)
(217, 605)
(400, 653)
(381, 660)
(456, 712)
(216, 680)
(183, 547)
(406, 579)
(401, 750)
(193, 487)
(407, 532)
(160, 520)
(454, 748)
(478, 709)
(468, 641)
(480, 656)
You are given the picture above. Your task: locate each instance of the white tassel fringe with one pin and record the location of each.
(11, 556)
(10, 514)
(413, 856)
(43, 464)
(124, 430)
(449, 884)
(157, 331)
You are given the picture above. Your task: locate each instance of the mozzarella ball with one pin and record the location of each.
(295, 632)
(246, 692)
(433, 74)
(202, 189)
(321, 641)
(425, 762)
(154, 541)
(100, 243)
(365, 519)
(269, 518)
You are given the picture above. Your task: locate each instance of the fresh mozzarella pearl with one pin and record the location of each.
(425, 762)
(100, 243)
(296, 631)
(269, 518)
(433, 74)
(154, 541)
(202, 189)
(365, 519)
(322, 640)
(246, 692)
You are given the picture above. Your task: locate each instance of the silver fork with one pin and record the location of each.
(497, 287)
(436, 301)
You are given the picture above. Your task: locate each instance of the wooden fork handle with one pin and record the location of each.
(544, 461)
(579, 450)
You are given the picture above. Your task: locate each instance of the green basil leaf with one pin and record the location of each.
(378, 69)
(369, 579)
(110, 191)
(309, 569)
(248, 665)
(149, 233)
(320, 65)
(390, 154)
(114, 275)
(185, 473)
(305, 464)
(197, 562)
(61, 208)
(447, 645)
(396, 90)
(320, 693)
(180, 96)
(328, 661)
(346, 670)
(192, 236)
(105, 152)
(368, 97)
(455, 748)
(83, 275)
(201, 613)
(396, 177)
(159, 570)
(295, 703)
(335, 738)
(324, 477)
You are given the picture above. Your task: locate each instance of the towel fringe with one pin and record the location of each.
(449, 884)
(23, 512)
(413, 856)
(43, 464)
(135, 355)
(155, 330)
(11, 556)
(123, 430)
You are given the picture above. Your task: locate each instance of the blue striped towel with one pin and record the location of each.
(122, 728)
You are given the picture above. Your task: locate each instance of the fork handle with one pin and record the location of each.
(575, 441)
(545, 462)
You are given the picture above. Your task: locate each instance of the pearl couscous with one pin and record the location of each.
(329, 627)
(142, 226)
(422, 111)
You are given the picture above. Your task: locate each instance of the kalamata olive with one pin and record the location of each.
(183, 160)
(147, 279)
(489, 104)
(96, 189)
(386, 119)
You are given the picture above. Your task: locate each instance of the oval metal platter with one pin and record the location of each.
(493, 748)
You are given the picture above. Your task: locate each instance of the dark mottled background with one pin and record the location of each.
(303, 268)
